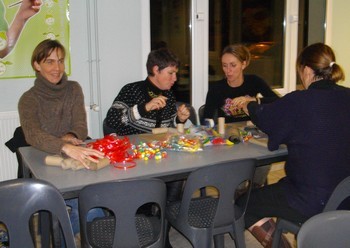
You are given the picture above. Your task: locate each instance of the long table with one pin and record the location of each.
(177, 165)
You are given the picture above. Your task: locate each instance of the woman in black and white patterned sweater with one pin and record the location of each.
(144, 105)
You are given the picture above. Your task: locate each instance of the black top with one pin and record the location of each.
(314, 124)
(220, 94)
(128, 115)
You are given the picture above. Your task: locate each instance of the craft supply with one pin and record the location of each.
(102, 163)
(209, 123)
(70, 163)
(180, 127)
(14, 4)
(159, 130)
(53, 160)
(115, 148)
(221, 125)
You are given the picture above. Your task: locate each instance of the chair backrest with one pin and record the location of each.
(201, 115)
(123, 199)
(324, 230)
(21, 199)
(106, 129)
(226, 178)
(340, 193)
(193, 114)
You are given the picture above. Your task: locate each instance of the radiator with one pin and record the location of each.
(8, 160)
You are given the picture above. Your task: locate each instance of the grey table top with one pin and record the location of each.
(176, 166)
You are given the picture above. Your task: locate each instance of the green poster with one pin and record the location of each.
(44, 19)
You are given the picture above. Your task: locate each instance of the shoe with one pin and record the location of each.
(77, 240)
(266, 237)
(4, 238)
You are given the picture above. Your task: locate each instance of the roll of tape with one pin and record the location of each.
(209, 122)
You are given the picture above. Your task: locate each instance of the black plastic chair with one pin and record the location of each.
(18, 140)
(193, 114)
(106, 129)
(21, 199)
(124, 227)
(340, 193)
(204, 218)
(324, 230)
(201, 115)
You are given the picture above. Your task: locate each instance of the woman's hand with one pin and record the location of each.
(29, 8)
(82, 154)
(240, 101)
(183, 113)
(156, 103)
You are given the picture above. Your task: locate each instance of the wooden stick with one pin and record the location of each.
(14, 4)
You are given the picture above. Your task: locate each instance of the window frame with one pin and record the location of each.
(200, 52)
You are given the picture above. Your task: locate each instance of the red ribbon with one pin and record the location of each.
(114, 148)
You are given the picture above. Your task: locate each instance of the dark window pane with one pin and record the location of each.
(170, 27)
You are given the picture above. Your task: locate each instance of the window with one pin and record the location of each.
(170, 28)
(274, 31)
(255, 23)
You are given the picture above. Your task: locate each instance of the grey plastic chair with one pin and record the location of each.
(204, 218)
(328, 229)
(340, 193)
(123, 228)
(21, 199)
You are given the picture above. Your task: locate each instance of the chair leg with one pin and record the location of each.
(166, 233)
(239, 237)
(276, 238)
(219, 241)
(44, 228)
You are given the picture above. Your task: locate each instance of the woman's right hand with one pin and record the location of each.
(29, 8)
(82, 154)
(156, 103)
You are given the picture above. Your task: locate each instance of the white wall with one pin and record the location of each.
(121, 36)
(338, 34)
(120, 52)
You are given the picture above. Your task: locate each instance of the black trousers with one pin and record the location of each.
(269, 201)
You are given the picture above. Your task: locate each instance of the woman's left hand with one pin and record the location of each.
(183, 113)
(82, 154)
(241, 101)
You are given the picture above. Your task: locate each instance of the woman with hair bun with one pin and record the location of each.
(312, 123)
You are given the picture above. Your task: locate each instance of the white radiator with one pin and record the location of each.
(8, 160)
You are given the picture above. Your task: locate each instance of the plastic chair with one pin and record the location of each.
(340, 193)
(21, 199)
(204, 218)
(193, 114)
(123, 228)
(201, 115)
(106, 129)
(328, 229)
(18, 140)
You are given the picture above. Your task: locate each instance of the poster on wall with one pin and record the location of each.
(25, 23)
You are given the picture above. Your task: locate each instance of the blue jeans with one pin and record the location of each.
(74, 214)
